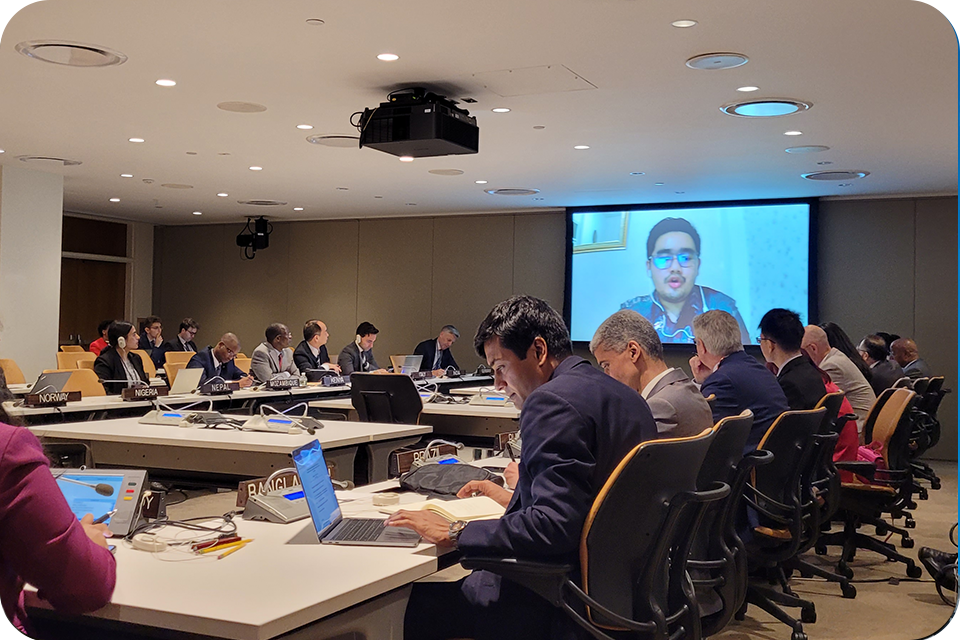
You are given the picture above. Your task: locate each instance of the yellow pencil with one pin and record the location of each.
(221, 547)
(229, 551)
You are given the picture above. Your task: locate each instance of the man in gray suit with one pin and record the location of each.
(628, 349)
(842, 370)
(358, 355)
(274, 358)
(907, 355)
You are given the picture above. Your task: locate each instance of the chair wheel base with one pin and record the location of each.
(914, 571)
(798, 635)
(845, 571)
(910, 524)
(849, 591)
(908, 543)
(808, 615)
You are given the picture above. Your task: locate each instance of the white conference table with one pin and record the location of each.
(228, 452)
(473, 424)
(284, 582)
(93, 404)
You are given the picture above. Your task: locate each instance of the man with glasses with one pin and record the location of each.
(183, 341)
(781, 335)
(274, 358)
(217, 362)
(673, 262)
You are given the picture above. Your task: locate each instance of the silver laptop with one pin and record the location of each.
(51, 382)
(186, 381)
(406, 364)
(330, 525)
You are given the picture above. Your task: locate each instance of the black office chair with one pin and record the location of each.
(386, 397)
(926, 434)
(783, 514)
(718, 564)
(632, 580)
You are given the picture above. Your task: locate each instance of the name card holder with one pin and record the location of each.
(421, 375)
(143, 393)
(51, 398)
(282, 383)
(401, 460)
(258, 486)
(335, 381)
(217, 388)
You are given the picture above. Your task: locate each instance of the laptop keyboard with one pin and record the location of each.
(359, 530)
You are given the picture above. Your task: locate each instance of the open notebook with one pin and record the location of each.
(467, 509)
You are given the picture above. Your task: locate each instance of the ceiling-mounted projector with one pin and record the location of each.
(417, 123)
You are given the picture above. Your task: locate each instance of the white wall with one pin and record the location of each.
(31, 220)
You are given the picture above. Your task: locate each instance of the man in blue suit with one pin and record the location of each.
(218, 362)
(577, 425)
(736, 378)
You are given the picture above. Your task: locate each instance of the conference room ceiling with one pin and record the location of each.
(881, 76)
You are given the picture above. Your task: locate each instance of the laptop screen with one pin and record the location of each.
(317, 488)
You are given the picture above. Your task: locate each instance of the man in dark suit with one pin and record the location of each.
(358, 355)
(628, 348)
(436, 352)
(183, 341)
(151, 340)
(884, 371)
(311, 353)
(733, 376)
(907, 355)
(218, 362)
(781, 334)
(577, 425)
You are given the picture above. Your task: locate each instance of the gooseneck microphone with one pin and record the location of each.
(101, 488)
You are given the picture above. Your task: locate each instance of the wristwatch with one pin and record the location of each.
(455, 529)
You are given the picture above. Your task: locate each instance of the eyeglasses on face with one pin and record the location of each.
(664, 260)
(760, 339)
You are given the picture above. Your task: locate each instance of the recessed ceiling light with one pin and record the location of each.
(581, 147)
(126, 175)
(1, 150)
(500, 110)
(136, 140)
(481, 182)
(684, 24)
(835, 175)
(298, 208)
(71, 54)
(406, 158)
(222, 195)
(256, 168)
(198, 213)
(810, 148)
(716, 61)
(747, 89)
(637, 173)
(305, 127)
(765, 108)
(388, 57)
(166, 83)
(114, 199)
(825, 162)
(315, 22)
(793, 133)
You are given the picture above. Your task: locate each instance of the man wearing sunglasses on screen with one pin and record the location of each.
(673, 262)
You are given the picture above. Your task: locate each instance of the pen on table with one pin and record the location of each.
(215, 542)
(232, 550)
(221, 547)
(104, 517)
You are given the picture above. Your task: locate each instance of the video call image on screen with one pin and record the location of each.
(672, 264)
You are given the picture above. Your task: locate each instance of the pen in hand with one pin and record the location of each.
(104, 517)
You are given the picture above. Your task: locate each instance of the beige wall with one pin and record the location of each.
(408, 276)
(884, 265)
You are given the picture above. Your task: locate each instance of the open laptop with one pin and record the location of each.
(330, 525)
(406, 364)
(51, 382)
(186, 381)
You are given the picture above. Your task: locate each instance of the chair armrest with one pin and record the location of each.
(865, 469)
(543, 578)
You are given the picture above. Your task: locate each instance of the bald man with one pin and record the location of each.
(907, 356)
(217, 362)
(841, 370)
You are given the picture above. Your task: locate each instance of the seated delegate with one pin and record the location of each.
(311, 353)
(781, 334)
(217, 362)
(274, 358)
(41, 540)
(116, 367)
(358, 355)
(436, 353)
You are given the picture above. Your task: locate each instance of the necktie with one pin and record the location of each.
(280, 361)
(222, 370)
(436, 361)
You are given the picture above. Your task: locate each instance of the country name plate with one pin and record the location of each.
(51, 398)
(143, 393)
(215, 388)
(282, 383)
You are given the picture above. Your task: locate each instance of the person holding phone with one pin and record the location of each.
(41, 540)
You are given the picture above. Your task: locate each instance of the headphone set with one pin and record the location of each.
(121, 343)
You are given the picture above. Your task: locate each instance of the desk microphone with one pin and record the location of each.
(101, 488)
(136, 383)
